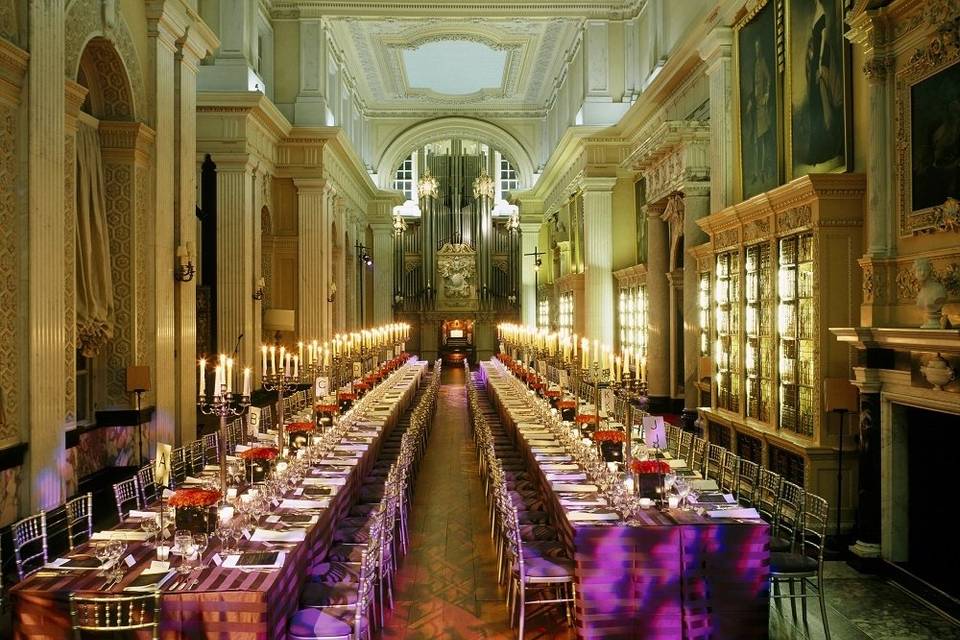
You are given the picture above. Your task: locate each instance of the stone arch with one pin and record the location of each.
(90, 19)
(101, 71)
(454, 127)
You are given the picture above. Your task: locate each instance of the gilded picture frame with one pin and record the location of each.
(758, 99)
(927, 181)
(817, 88)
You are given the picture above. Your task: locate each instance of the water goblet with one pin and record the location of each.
(116, 549)
(102, 552)
(186, 550)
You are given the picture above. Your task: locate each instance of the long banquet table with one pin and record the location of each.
(230, 603)
(666, 574)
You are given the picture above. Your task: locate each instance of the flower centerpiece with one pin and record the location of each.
(649, 475)
(610, 443)
(298, 433)
(257, 461)
(196, 509)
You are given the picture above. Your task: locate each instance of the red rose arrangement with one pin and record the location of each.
(649, 466)
(259, 453)
(300, 427)
(194, 498)
(609, 436)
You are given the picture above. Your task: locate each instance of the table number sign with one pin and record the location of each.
(542, 368)
(357, 369)
(654, 432)
(563, 380)
(161, 466)
(606, 400)
(253, 420)
(397, 351)
(321, 387)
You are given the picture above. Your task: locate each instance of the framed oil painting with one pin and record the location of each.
(758, 100)
(816, 81)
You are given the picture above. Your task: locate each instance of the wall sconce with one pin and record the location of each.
(333, 291)
(258, 294)
(184, 271)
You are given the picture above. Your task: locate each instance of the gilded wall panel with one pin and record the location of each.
(9, 278)
(118, 187)
(10, 495)
(69, 278)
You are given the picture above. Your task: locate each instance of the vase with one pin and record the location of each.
(196, 519)
(257, 470)
(649, 485)
(298, 439)
(611, 451)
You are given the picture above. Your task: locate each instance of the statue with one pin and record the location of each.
(932, 294)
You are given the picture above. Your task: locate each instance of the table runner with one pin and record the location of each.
(673, 574)
(227, 603)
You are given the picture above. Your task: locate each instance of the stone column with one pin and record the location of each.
(716, 51)
(696, 205)
(529, 235)
(339, 271)
(162, 35)
(598, 258)
(867, 546)
(312, 203)
(382, 272)
(45, 243)
(235, 304)
(658, 305)
(311, 105)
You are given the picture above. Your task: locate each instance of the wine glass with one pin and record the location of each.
(200, 542)
(237, 530)
(102, 552)
(181, 537)
(683, 490)
(115, 551)
(224, 533)
(185, 549)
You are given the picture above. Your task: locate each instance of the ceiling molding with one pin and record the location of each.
(609, 9)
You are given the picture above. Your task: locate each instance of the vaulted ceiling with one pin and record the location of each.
(456, 65)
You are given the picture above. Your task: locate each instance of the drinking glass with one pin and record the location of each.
(200, 542)
(115, 550)
(181, 538)
(683, 490)
(186, 549)
(102, 551)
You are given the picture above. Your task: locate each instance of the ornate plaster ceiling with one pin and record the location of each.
(454, 65)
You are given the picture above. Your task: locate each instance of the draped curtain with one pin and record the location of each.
(94, 283)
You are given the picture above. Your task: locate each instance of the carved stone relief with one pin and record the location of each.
(69, 277)
(907, 285)
(8, 20)
(756, 230)
(118, 188)
(795, 218)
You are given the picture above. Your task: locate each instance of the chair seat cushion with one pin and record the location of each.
(533, 517)
(792, 563)
(537, 532)
(779, 544)
(364, 509)
(547, 567)
(346, 553)
(309, 624)
(545, 549)
(352, 535)
(317, 594)
(336, 572)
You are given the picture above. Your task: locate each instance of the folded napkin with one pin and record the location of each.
(255, 560)
(574, 488)
(143, 515)
(339, 461)
(550, 457)
(120, 534)
(676, 463)
(295, 519)
(77, 563)
(553, 477)
(704, 485)
(352, 447)
(151, 578)
(337, 481)
(241, 448)
(268, 535)
(193, 480)
(588, 516)
(573, 503)
(291, 503)
(747, 513)
(559, 466)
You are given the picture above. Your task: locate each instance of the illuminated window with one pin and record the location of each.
(727, 348)
(565, 316)
(405, 178)
(796, 333)
(508, 176)
(543, 314)
(759, 338)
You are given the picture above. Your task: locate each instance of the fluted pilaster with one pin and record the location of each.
(45, 162)
(529, 234)
(696, 204)
(382, 272)
(312, 203)
(235, 304)
(598, 258)
(658, 297)
(716, 51)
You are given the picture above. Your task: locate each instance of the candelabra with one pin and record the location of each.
(225, 404)
(279, 381)
(592, 375)
(633, 391)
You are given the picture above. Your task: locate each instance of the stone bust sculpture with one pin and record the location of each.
(931, 295)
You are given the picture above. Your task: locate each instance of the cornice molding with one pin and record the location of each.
(609, 9)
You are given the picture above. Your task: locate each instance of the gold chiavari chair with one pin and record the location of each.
(686, 440)
(698, 451)
(79, 519)
(195, 457)
(211, 448)
(147, 484)
(729, 472)
(127, 496)
(178, 465)
(748, 474)
(115, 614)
(30, 543)
(714, 462)
(767, 501)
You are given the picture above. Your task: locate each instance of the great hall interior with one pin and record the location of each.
(433, 319)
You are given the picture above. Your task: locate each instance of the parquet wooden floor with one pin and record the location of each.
(447, 584)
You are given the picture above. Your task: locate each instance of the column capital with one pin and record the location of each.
(716, 47)
(381, 227)
(312, 185)
(233, 162)
(598, 184)
(74, 95)
(867, 380)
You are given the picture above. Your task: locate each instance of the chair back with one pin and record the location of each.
(673, 439)
(729, 472)
(790, 511)
(697, 452)
(147, 484)
(683, 450)
(211, 448)
(127, 496)
(30, 543)
(747, 478)
(178, 465)
(714, 463)
(769, 486)
(195, 457)
(115, 613)
(813, 534)
(79, 519)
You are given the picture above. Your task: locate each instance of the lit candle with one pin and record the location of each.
(643, 368)
(273, 360)
(263, 352)
(247, 381)
(217, 380)
(618, 367)
(326, 357)
(283, 357)
(300, 350)
(229, 375)
(203, 376)
(296, 366)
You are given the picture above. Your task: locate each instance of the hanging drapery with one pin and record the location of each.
(94, 282)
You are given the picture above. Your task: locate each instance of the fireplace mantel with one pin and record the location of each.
(902, 339)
